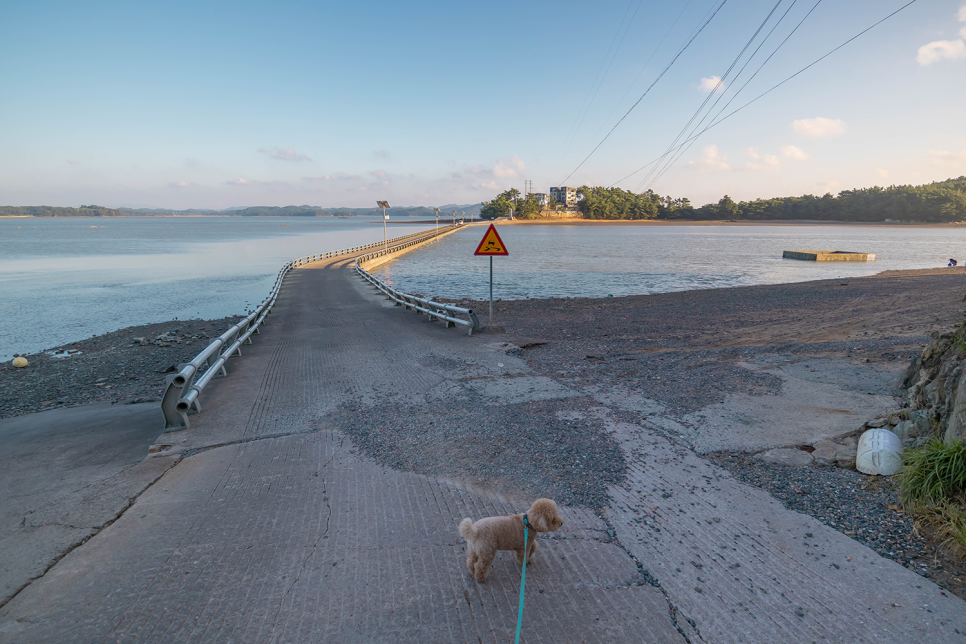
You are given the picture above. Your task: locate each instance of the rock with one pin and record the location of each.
(826, 452)
(141, 341)
(846, 459)
(830, 453)
(902, 429)
(786, 456)
(20, 362)
(894, 420)
(878, 422)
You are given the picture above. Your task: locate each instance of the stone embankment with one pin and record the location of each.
(936, 390)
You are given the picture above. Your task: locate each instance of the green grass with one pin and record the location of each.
(933, 473)
(932, 487)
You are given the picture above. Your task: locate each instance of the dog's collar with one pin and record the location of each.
(527, 523)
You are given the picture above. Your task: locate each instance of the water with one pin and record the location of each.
(66, 279)
(597, 261)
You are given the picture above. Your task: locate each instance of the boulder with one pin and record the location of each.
(786, 456)
(878, 422)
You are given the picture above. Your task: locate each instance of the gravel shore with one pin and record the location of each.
(105, 368)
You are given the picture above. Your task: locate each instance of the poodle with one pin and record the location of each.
(488, 535)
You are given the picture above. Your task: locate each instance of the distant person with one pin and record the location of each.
(952, 262)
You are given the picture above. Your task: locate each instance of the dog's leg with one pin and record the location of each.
(483, 562)
(533, 549)
(471, 558)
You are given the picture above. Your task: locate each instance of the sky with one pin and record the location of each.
(214, 105)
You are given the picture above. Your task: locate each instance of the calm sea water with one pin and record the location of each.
(67, 279)
(596, 261)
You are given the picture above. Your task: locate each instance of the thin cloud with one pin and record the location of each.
(767, 159)
(819, 127)
(72, 162)
(280, 154)
(710, 160)
(764, 161)
(511, 168)
(936, 51)
(382, 154)
(882, 172)
(179, 184)
(708, 84)
(791, 152)
(952, 49)
(239, 182)
(947, 159)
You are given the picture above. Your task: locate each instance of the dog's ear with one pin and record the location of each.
(542, 514)
(539, 521)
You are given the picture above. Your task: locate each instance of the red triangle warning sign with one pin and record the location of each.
(491, 244)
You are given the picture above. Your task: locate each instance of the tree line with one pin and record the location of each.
(937, 202)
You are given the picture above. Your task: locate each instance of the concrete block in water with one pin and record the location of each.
(828, 256)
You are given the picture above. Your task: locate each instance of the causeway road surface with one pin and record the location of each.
(275, 526)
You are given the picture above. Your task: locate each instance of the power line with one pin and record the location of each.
(773, 88)
(579, 119)
(676, 56)
(735, 95)
(646, 63)
(721, 79)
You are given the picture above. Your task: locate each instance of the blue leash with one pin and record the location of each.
(523, 578)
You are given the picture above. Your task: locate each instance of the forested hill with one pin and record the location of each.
(937, 202)
(425, 212)
(57, 211)
(940, 201)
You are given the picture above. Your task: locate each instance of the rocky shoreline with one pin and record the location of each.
(124, 367)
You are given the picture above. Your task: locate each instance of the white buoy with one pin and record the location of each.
(879, 452)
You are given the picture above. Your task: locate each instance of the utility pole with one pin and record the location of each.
(436, 210)
(385, 218)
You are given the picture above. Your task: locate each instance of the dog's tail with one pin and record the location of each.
(466, 529)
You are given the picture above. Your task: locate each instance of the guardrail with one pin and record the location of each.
(436, 310)
(184, 388)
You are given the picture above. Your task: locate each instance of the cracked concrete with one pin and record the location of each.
(66, 473)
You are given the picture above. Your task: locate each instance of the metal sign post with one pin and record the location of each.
(490, 323)
(491, 245)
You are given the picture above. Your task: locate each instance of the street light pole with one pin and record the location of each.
(436, 210)
(385, 217)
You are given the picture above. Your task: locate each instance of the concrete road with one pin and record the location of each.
(65, 474)
(275, 529)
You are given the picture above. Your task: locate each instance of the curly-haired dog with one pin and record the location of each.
(488, 535)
